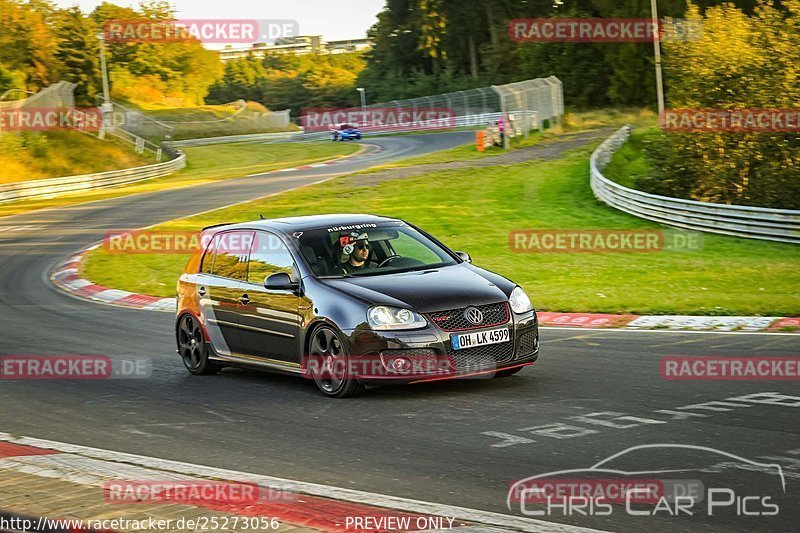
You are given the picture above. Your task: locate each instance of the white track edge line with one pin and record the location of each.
(315, 489)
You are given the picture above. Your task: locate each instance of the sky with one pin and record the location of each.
(333, 19)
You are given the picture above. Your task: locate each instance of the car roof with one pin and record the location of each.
(305, 223)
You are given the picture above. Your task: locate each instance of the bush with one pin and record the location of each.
(738, 61)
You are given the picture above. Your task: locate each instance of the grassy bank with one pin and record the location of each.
(50, 154)
(476, 209)
(207, 121)
(629, 164)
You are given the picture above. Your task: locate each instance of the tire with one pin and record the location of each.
(506, 373)
(331, 373)
(193, 348)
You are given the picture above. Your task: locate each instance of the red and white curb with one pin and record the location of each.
(65, 276)
(669, 322)
(312, 505)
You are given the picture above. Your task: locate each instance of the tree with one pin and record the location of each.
(739, 61)
(27, 43)
(78, 54)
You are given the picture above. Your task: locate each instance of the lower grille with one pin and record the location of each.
(482, 356)
(410, 352)
(528, 344)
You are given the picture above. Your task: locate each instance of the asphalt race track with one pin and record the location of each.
(458, 443)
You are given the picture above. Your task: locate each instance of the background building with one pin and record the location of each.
(300, 45)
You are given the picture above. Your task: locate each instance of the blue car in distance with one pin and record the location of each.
(346, 132)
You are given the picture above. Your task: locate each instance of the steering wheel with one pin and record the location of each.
(388, 260)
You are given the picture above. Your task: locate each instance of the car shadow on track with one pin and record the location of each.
(238, 378)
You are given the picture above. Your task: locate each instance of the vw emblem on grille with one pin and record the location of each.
(473, 315)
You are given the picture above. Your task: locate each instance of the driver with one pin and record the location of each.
(357, 255)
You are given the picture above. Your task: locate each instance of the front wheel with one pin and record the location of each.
(330, 366)
(193, 349)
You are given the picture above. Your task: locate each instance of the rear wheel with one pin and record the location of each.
(193, 349)
(329, 364)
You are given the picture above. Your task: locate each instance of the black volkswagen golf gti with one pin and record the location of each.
(349, 301)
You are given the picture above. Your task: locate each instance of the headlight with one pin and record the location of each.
(520, 303)
(382, 317)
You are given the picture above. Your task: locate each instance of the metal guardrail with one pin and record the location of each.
(55, 186)
(253, 137)
(480, 119)
(467, 121)
(782, 225)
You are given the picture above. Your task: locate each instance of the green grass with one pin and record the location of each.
(574, 121)
(629, 164)
(205, 164)
(475, 209)
(51, 154)
(465, 152)
(468, 152)
(577, 120)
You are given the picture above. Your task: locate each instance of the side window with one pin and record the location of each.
(208, 257)
(230, 254)
(268, 256)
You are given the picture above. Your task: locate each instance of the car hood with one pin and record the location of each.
(437, 289)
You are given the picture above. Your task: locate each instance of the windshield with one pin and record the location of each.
(370, 249)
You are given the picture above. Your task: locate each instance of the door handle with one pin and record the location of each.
(244, 300)
(201, 291)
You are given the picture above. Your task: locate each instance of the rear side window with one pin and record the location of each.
(268, 256)
(230, 250)
(208, 257)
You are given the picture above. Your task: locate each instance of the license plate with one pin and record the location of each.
(479, 338)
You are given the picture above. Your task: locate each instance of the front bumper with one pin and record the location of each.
(429, 354)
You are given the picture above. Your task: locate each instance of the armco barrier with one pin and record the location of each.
(466, 121)
(253, 137)
(54, 186)
(781, 225)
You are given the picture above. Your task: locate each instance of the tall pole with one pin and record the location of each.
(106, 108)
(362, 92)
(657, 54)
(103, 67)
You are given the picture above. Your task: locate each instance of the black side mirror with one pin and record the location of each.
(464, 257)
(280, 281)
